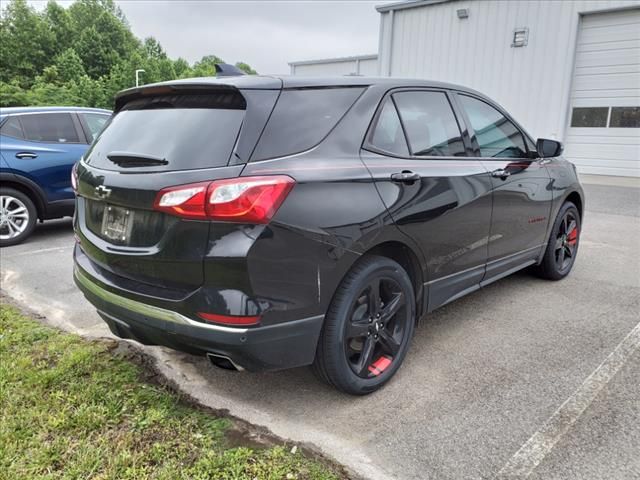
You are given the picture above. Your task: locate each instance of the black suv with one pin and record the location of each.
(273, 222)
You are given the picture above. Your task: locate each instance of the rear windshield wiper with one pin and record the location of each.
(130, 160)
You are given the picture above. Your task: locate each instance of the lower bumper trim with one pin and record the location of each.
(268, 347)
(150, 311)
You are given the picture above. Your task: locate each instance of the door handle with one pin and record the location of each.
(405, 176)
(500, 173)
(26, 155)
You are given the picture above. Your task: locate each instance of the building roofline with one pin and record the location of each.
(408, 4)
(372, 56)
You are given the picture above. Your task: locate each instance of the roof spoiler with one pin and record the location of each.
(226, 70)
(181, 87)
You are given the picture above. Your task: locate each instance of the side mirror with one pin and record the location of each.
(548, 148)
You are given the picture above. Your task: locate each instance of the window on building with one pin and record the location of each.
(495, 134)
(387, 134)
(431, 126)
(589, 117)
(49, 127)
(625, 117)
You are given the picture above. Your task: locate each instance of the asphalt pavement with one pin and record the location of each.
(525, 378)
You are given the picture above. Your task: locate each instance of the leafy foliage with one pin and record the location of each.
(81, 55)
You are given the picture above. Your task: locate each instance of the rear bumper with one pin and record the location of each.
(273, 347)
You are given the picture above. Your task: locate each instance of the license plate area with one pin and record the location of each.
(117, 223)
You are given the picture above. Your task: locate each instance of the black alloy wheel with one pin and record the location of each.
(368, 327)
(562, 247)
(376, 327)
(566, 244)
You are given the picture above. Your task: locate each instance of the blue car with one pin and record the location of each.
(38, 148)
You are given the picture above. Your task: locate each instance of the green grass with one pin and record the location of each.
(72, 409)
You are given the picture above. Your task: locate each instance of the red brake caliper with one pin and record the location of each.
(572, 238)
(380, 365)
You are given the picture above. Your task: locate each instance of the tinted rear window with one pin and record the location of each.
(185, 131)
(302, 118)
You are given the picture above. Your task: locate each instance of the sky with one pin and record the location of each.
(265, 34)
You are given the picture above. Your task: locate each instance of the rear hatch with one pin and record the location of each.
(160, 137)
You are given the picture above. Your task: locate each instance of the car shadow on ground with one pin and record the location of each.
(456, 320)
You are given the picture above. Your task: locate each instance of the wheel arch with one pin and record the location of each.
(575, 198)
(407, 258)
(28, 187)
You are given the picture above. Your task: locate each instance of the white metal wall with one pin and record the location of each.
(532, 82)
(607, 74)
(347, 66)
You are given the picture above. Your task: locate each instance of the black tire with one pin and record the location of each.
(562, 247)
(26, 225)
(352, 326)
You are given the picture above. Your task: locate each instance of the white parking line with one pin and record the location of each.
(542, 442)
(43, 250)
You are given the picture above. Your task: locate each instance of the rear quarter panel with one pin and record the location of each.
(332, 216)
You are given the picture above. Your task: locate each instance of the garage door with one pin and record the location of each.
(604, 133)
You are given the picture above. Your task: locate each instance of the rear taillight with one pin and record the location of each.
(243, 199)
(74, 177)
(186, 201)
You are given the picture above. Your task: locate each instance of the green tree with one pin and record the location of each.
(153, 49)
(206, 67)
(26, 43)
(69, 66)
(182, 68)
(59, 22)
(81, 55)
(246, 68)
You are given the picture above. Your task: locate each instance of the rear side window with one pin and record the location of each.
(12, 128)
(95, 122)
(387, 134)
(49, 127)
(170, 132)
(496, 135)
(432, 129)
(302, 118)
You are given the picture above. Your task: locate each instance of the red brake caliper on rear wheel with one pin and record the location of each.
(572, 238)
(380, 365)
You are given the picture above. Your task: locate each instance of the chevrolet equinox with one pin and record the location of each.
(274, 222)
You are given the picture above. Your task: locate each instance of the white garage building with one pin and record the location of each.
(357, 65)
(568, 70)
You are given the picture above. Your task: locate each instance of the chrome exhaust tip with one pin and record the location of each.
(222, 361)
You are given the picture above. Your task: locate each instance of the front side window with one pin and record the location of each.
(431, 127)
(387, 134)
(95, 123)
(49, 127)
(497, 136)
